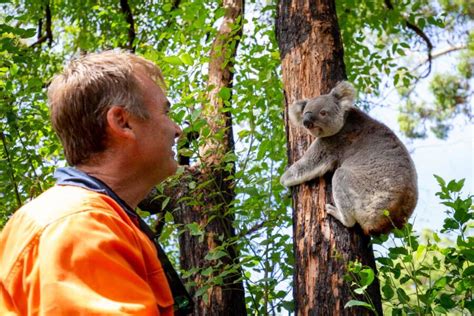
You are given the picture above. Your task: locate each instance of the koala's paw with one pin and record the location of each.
(331, 210)
(287, 178)
(285, 181)
(345, 219)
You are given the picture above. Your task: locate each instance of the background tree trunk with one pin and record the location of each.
(210, 251)
(312, 63)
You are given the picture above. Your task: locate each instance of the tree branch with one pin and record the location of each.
(433, 56)
(185, 143)
(221, 73)
(12, 173)
(49, 33)
(421, 34)
(29, 160)
(441, 53)
(129, 18)
(252, 229)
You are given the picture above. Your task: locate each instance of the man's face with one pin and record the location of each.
(156, 135)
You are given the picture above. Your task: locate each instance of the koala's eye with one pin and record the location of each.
(323, 113)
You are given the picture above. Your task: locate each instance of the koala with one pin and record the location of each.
(373, 171)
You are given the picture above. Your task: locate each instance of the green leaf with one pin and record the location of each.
(186, 59)
(402, 296)
(468, 253)
(387, 291)
(367, 277)
(208, 271)
(440, 310)
(455, 186)
(397, 251)
(353, 303)
(440, 180)
(202, 290)
(469, 271)
(224, 93)
(446, 301)
(194, 229)
(214, 255)
(385, 261)
(440, 283)
(173, 60)
(360, 290)
(28, 33)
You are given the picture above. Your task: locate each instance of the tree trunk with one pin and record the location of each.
(312, 63)
(210, 251)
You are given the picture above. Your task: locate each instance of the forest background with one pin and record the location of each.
(417, 81)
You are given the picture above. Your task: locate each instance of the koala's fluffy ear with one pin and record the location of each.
(295, 112)
(344, 92)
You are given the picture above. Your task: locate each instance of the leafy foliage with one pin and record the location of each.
(29, 150)
(177, 35)
(428, 274)
(399, 56)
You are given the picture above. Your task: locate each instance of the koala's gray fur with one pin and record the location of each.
(373, 169)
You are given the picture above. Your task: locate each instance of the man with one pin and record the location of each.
(78, 248)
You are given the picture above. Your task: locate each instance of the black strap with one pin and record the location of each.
(183, 303)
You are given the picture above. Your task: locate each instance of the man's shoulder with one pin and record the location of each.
(56, 204)
(62, 201)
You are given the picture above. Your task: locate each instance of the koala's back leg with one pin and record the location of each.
(345, 198)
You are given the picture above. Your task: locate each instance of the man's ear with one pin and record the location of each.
(118, 121)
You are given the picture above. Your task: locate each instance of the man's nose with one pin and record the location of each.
(178, 131)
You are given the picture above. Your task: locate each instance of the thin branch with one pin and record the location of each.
(12, 173)
(49, 33)
(41, 40)
(40, 28)
(28, 158)
(252, 229)
(421, 34)
(433, 56)
(442, 53)
(129, 18)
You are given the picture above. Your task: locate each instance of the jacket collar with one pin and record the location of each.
(75, 177)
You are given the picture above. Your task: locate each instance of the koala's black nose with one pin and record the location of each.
(308, 120)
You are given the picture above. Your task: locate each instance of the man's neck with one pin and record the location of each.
(123, 183)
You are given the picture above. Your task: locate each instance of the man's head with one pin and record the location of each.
(82, 95)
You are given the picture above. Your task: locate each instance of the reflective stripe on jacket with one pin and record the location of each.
(74, 251)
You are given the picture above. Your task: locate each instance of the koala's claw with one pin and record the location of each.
(331, 210)
(345, 218)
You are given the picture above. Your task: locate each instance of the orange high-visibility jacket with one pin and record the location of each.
(72, 251)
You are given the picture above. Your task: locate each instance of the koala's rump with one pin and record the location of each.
(382, 174)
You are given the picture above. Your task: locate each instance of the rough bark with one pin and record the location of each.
(208, 200)
(215, 198)
(312, 63)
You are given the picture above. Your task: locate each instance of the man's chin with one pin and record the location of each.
(173, 168)
(166, 170)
